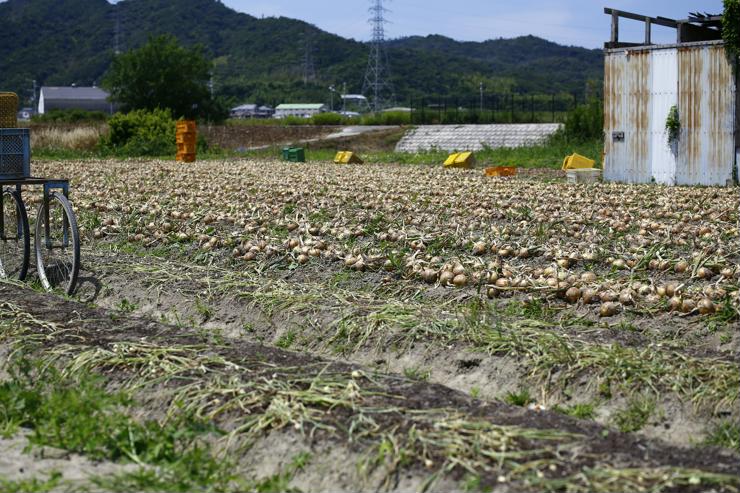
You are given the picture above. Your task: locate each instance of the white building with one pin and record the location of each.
(251, 111)
(302, 110)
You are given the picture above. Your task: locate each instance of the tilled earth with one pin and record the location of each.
(393, 432)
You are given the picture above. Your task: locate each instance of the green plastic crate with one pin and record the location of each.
(294, 154)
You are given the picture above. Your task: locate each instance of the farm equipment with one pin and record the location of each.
(56, 237)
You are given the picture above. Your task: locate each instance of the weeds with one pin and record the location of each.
(521, 398)
(78, 414)
(725, 434)
(417, 373)
(286, 340)
(636, 415)
(34, 485)
(126, 306)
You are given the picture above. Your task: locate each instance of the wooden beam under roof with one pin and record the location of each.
(660, 21)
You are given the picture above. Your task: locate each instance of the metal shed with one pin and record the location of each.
(77, 98)
(643, 81)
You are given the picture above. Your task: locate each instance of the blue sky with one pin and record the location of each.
(571, 22)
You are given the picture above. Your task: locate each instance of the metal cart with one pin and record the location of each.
(56, 236)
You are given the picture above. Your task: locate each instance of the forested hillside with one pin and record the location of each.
(61, 42)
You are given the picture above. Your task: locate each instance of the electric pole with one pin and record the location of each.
(377, 76)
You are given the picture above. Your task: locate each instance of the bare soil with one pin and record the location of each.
(412, 409)
(235, 137)
(201, 297)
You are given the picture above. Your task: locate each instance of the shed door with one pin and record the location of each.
(706, 109)
(627, 116)
(663, 95)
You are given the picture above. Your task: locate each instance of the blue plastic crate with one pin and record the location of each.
(15, 153)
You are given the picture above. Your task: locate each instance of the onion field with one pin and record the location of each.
(255, 325)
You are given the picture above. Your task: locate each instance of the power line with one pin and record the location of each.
(377, 76)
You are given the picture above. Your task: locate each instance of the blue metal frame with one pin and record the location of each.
(49, 185)
(24, 151)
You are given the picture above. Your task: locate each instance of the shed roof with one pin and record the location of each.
(74, 93)
(300, 106)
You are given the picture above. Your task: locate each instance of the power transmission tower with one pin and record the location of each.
(117, 31)
(377, 76)
(309, 70)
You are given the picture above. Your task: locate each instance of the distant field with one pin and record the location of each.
(68, 141)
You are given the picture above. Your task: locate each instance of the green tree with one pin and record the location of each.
(731, 26)
(163, 74)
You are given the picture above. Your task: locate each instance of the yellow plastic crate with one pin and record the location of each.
(8, 110)
(576, 161)
(347, 157)
(460, 160)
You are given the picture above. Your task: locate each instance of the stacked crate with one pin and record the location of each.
(186, 141)
(15, 143)
(8, 110)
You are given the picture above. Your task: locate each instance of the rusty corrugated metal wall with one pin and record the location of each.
(706, 151)
(626, 115)
(640, 87)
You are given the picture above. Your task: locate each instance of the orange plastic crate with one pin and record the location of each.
(185, 126)
(501, 171)
(186, 137)
(186, 147)
(185, 157)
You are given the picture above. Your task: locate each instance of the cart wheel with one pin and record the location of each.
(15, 240)
(57, 244)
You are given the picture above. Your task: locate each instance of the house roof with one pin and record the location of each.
(247, 106)
(300, 106)
(74, 93)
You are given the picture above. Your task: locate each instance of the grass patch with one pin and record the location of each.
(80, 415)
(417, 373)
(33, 485)
(636, 415)
(725, 434)
(126, 306)
(549, 155)
(521, 398)
(286, 340)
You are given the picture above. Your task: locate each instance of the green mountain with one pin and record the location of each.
(60, 42)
